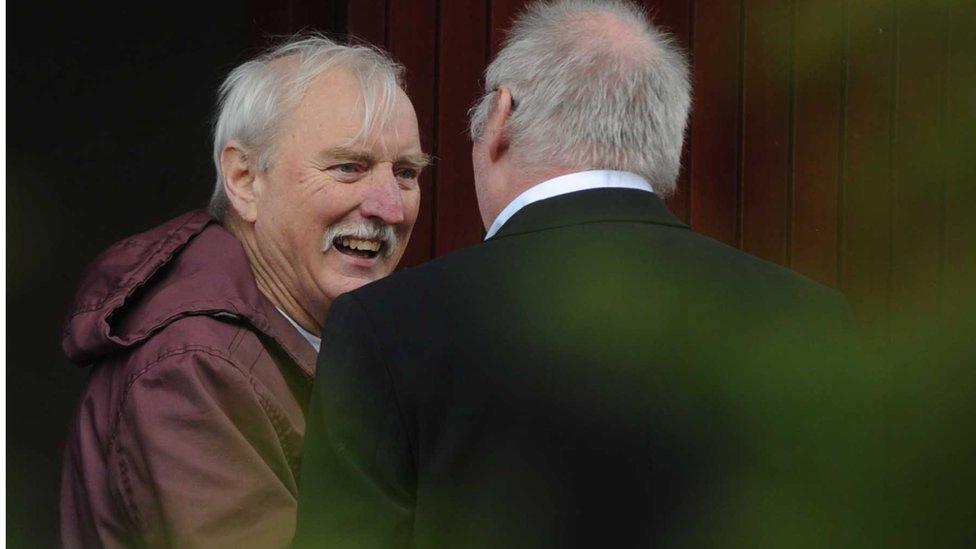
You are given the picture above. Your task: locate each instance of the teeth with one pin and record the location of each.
(357, 244)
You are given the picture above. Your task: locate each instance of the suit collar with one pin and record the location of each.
(569, 183)
(590, 206)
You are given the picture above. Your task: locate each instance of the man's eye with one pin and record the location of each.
(407, 173)
(348, 168)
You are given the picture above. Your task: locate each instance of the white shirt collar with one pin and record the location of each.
(569, 183)
(314, 340)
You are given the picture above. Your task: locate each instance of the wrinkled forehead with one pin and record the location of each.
(361, 103)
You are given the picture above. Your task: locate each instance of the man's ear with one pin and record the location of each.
(495, 126)
(240, 180)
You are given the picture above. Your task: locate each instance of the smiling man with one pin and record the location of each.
(202, 333)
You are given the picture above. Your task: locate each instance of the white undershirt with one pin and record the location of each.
(314, 340)
(569, 183)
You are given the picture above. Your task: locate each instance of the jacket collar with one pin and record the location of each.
(188, 266)
(590, 206)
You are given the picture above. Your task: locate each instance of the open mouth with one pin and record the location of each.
(358, 247)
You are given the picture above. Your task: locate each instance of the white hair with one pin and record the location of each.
(594, 86)
(255, 96)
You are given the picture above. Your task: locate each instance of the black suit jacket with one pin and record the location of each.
(596, 374)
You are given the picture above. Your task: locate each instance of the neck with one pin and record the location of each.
(522, 180)
(269, 281)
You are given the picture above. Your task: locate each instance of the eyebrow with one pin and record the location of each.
(416, 160)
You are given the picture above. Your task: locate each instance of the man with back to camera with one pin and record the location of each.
(594, 374)
(202, 332)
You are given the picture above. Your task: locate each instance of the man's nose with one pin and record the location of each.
(383, 200)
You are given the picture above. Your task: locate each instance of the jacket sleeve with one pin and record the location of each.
(358, 481)
(197, 461)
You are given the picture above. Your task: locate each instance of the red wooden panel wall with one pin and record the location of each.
(831, 136)
(715, 121)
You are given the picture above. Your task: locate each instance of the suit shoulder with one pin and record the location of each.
(663, 255)
(741, 266)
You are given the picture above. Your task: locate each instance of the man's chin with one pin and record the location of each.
(347, 281)
(346, 273)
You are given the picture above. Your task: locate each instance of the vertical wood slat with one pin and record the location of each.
(765, 138)
(461, 56)
(866, 208)
(818, 70)
(918, 169)
(412, 41)
(366, 21)
(960, 132)
(714, 128)
(675, 17)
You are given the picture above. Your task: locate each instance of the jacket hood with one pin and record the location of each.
(188, 265)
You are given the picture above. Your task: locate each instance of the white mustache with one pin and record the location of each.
(367, 229)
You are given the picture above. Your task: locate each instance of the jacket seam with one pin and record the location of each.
(237, 340)
(183, 310)
(159, 358)
(257, 357)
(278, 422)
(277, 418)
(128, 498)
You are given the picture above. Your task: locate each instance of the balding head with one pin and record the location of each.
(595, 86)
(616, 33)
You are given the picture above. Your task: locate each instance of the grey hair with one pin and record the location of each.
(255, 96)
(589, 95)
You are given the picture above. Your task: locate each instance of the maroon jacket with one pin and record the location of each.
(189, 432)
